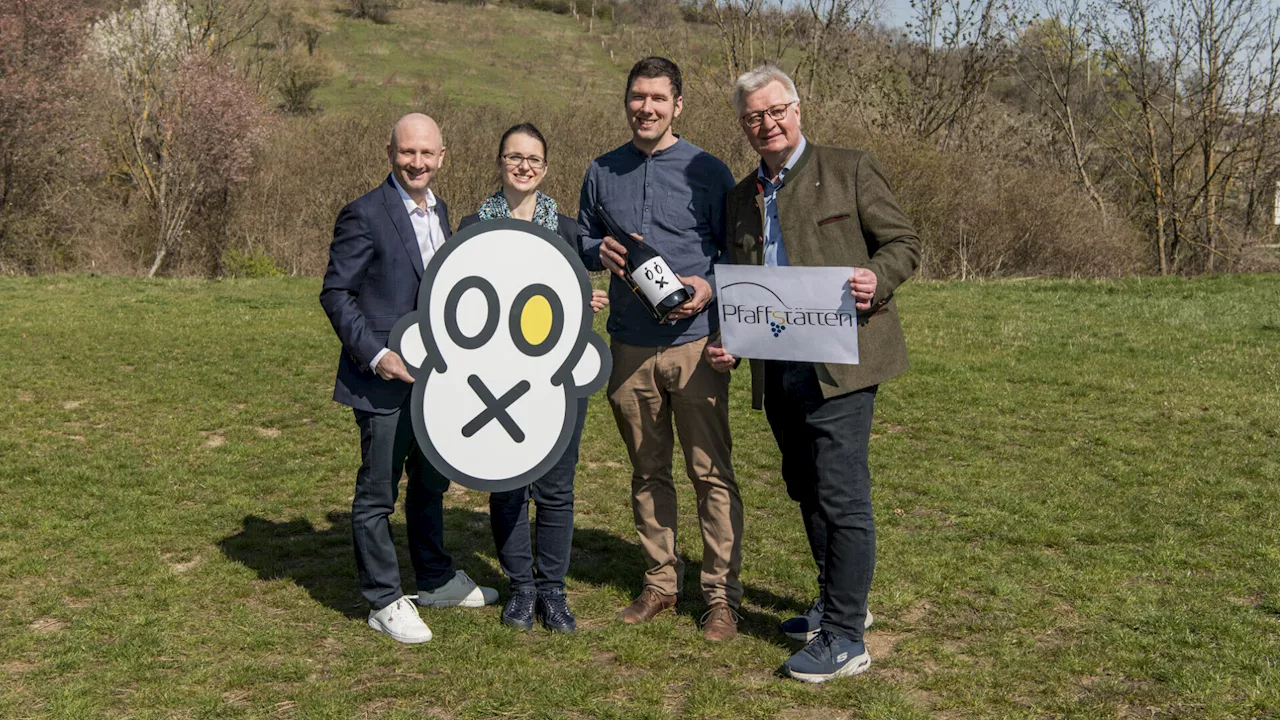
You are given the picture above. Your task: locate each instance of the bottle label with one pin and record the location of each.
(655, 280)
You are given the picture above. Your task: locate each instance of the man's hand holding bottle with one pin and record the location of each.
(614, 257)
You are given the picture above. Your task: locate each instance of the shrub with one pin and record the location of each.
(40, 131)
(378, 11)
(301, 74)
(251, 263)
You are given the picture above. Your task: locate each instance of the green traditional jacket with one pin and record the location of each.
(836, 210)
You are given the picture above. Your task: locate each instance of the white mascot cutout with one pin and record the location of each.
(500, 348)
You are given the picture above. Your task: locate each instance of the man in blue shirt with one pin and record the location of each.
(671, 193)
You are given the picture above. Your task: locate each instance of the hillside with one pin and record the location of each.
(473, 55)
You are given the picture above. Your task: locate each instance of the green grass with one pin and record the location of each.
(1076, 489)
(494, 56)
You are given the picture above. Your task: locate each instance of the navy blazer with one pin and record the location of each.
(375, 269)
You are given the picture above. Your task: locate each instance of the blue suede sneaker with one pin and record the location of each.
(828, 656)
(805, 627)
(554, 614)
(518, 612)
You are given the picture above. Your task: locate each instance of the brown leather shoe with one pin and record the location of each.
(720, 622)
(650, 603)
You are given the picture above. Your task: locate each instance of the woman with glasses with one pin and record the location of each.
(536, 590)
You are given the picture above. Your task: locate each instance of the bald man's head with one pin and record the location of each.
(415, 151)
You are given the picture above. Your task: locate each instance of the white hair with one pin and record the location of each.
(753, 80)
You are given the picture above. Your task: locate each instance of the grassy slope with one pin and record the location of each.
(1075, 488)
(486, 56)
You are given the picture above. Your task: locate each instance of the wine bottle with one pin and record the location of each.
(648, 274)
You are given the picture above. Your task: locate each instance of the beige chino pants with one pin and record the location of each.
(648, 386)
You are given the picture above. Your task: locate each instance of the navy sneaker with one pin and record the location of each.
(805, 627)
(554, 613)
(826, 657)
(518, 612)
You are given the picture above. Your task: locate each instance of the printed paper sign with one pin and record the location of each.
(788, 313)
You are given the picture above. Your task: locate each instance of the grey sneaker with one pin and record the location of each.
(460, 591)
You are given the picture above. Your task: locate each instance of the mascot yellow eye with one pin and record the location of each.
(535, 320)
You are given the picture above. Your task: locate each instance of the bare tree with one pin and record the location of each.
(829, 27)
(1144, 47)
(1224, 39)
(951, 52)
(1261, 169)
(1057, 65)
(750, 32)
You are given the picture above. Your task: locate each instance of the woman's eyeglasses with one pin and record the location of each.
(513, 160)
(777, 113)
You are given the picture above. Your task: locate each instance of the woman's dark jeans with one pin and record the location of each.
(509, 518)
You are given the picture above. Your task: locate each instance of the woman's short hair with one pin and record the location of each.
(523, 129)
(753, 80)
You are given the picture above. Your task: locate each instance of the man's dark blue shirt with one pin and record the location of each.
(674, 199)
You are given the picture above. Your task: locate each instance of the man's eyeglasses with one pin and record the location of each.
(777, 113)
(513, 160)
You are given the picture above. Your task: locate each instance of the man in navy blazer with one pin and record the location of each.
(381, 243)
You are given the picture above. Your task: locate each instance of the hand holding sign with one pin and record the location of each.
(862, 283)
(391, 367)
(717, 357)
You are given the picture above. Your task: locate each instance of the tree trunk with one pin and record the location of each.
(155, 266)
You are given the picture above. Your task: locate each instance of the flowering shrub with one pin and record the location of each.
(39, 41)
(185, 121)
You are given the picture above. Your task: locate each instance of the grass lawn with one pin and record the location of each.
(493, 56)
(1077, 488)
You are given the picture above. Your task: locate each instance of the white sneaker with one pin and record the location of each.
(459, 591)
(400, 620)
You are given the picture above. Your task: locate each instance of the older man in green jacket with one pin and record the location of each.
(820, 206)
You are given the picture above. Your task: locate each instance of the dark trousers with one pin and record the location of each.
(387, 447)
(509, 517)
(824, 464)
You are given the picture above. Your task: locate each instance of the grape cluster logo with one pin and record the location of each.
(776, 327)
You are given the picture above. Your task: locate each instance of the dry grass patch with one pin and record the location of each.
(46, 625)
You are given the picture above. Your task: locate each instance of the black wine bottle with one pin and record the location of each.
(646, 271)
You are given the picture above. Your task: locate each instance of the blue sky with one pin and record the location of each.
(896, 12)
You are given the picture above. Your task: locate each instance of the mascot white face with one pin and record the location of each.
(503, 349)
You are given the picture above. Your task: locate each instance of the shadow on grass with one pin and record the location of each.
(319, 560)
